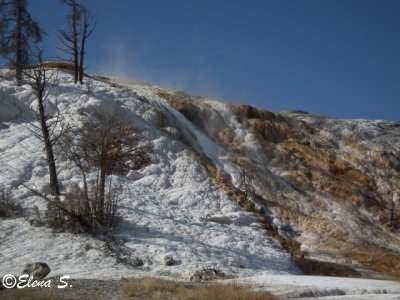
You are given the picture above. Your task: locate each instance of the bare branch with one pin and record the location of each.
(55, 203)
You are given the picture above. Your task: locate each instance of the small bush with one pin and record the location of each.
(84, 211)
(8, 206)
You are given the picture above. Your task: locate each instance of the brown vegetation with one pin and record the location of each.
(37, 293)
(109, 144)
(141, 288)
(58, 65)
(148, 288)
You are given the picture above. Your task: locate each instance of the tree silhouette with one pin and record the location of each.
(81, 24)
(18, 32)
(41, 82)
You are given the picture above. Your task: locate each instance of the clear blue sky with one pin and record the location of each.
(331, 57)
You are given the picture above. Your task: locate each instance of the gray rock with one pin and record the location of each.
(137, 262)
(169, 260)
(38, 270)
(207, 275)
(35, 222)
(134, 175)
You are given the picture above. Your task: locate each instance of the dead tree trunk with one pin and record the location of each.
(69, 38)
(18, 64)
(87, 26)
(39, 82)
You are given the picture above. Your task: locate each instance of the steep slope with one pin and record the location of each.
(220, 174)
(164, 206)
(329, 185)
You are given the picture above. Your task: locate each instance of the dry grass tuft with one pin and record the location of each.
(149, 288)
(36, 293)
(58, 65)
(144, 288)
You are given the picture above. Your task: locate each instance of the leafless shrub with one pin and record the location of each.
(105, 145)
(82, 216)
(8, 206)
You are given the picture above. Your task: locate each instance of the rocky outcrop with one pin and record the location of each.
(206, 275)
(169, 260)
(37, 270)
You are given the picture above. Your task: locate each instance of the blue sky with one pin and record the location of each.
(330, 57)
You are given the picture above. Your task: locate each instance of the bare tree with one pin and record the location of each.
(69, 37)
(81, 24)
(18, 31)
(41, 84)
(88, 24)
(108, 144)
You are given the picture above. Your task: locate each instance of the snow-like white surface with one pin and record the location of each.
(164, 206)
(322, 287)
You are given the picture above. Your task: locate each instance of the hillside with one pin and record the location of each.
(329, 185)
(230, 187)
